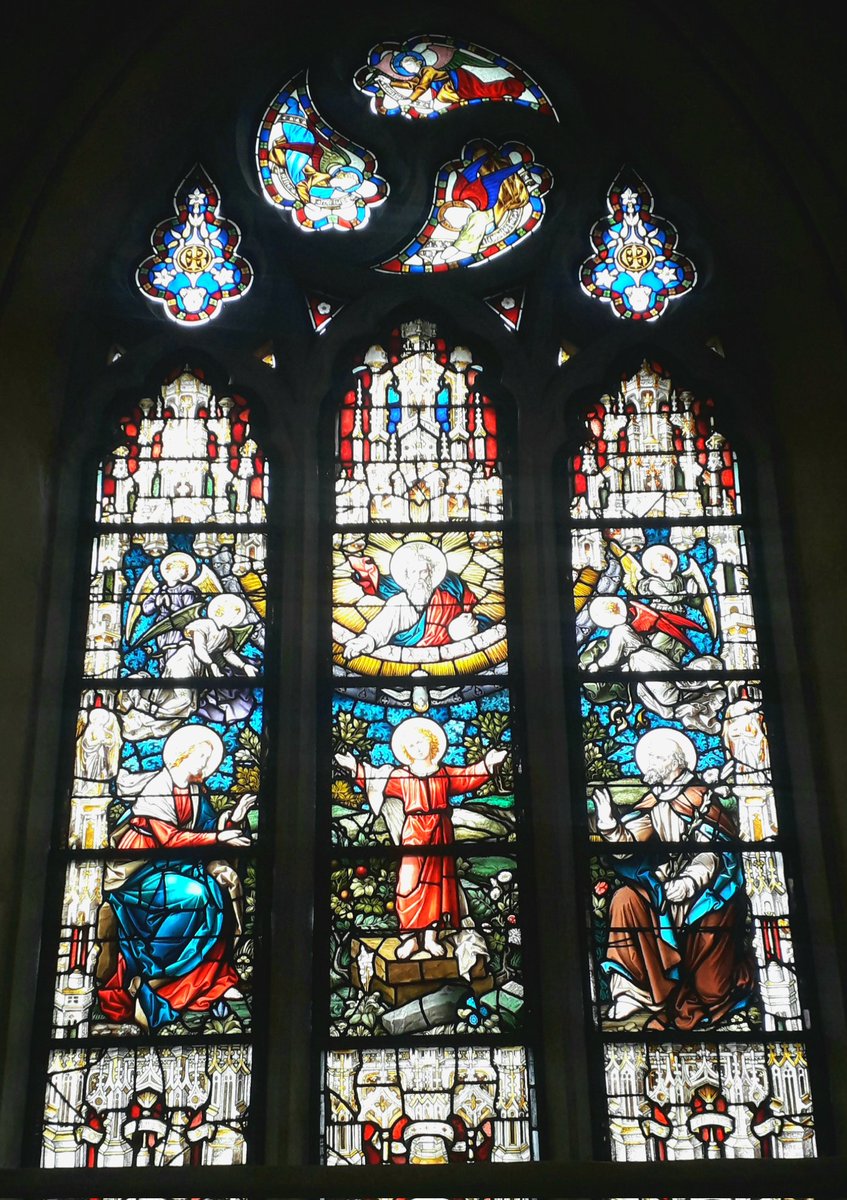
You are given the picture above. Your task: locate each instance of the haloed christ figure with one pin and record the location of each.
(414, 799)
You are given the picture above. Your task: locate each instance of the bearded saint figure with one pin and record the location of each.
(426, 604)
(414, 800)
(676, 953)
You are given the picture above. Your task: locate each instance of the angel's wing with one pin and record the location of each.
(177, 620)
(335, 157)
(253, 587)
(589, 583)
(240, 637)
(630, 565)
(145, 585)
(207, 581)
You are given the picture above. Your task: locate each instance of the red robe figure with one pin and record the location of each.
(414, 800)
(165, 944)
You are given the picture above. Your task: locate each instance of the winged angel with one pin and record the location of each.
(647, 630)
(198, 630)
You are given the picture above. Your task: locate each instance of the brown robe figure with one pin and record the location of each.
(677, 926)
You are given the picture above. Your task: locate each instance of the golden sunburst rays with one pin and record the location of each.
(362, 562)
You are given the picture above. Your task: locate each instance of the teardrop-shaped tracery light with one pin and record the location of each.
(309, 169)
(431, 75)
(485, 202)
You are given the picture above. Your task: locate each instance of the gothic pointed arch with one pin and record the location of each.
(160, 827)
(742, 181)
(700, 1008)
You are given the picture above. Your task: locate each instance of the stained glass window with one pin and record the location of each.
(307, 168)
(425, 1035)
(152, 1030)
(485, 202)
(636, 267)
(195, 267)
(696, 1002)
(425, 1020)
(429, 76)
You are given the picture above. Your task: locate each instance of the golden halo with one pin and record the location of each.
(413, 728)
(183, 740)
(177, 561)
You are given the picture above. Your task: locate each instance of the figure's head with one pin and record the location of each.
(192, 753)
(419, 743)
(177, 568)
(100, 719)
(607, 611)
(418, 567)
(346, 179)
(455, 215)
(102, 728)
(663, 755)
(403, 65)
(227, 611)
(661, 560)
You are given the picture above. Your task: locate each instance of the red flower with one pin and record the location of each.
(601, 888)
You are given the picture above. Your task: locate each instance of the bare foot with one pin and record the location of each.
(623, 1007)
(432, 944)
(407, 948)
(141, 1016)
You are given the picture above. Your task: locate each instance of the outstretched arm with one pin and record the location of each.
(351, 765)
(196, 634)
(468, 779)
(609, 824)
(241, 664)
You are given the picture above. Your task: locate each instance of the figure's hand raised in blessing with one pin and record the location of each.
(495, 756)
(602, 798)
(245, 805)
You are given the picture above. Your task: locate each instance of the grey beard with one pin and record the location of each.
(654, 779)
(419, 596)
